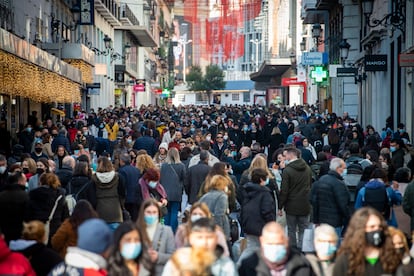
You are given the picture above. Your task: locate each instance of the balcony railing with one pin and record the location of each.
(110, 10)
(127, 16)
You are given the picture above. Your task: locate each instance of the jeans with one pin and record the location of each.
(294, 224)
(252, 245)
(171, 218)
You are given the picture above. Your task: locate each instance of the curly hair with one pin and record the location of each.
(49, 179)
(354, 244)
(144, 162)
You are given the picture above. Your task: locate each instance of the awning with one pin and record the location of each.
(270, 69)
(141, 34)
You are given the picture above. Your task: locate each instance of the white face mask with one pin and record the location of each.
(2, 169)
(195, 217)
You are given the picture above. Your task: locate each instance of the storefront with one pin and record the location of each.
(30, 76)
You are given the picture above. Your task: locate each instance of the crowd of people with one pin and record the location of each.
(206, 190)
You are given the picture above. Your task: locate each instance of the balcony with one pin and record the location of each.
(127, 16)
(109, 10)
(326, 4)
(6, 17)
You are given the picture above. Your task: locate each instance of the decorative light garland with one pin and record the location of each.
(21, 78)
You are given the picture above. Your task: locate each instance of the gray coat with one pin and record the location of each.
(218, 204)
(163, 242)
(172, 179)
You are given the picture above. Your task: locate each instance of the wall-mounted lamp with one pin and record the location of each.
(344, 50)
(396, 18)
(303, 44)
(316, 33)
(127, 52)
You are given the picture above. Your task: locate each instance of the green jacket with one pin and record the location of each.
(295, 188)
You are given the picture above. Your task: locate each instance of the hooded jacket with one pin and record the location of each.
(257, 208)
(41, 202)
(42, 258)
(109, 196)
(295, 188)
(12, 263)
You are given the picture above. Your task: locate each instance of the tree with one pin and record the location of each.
(212, 80)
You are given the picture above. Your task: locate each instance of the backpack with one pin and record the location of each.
(354, 168)
(297, 138)
(72, 198)
(378, 199)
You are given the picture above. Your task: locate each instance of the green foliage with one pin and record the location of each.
(195, 79)
(212, 80)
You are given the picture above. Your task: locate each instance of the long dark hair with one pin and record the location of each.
(116, 263)
(141, 222)
(83, 210)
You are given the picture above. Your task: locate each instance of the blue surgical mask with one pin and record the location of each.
(192, 129)
(345, 172)
(131, 250)
(392, 149)
(286, 162)
(245, 129)
(401, 130)
(325, 249)
(151, 220)
(267, 181)
(274, 252)
(152, 184)
(29, 129)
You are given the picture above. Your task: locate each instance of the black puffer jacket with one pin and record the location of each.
(41, 202)
(257, 208)
(330, 199)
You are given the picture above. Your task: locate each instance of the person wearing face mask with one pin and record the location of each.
(246, 136)
(158, 238)
(38, 151)
(325, 242)
(42, 167)
(275, 256)
(330, 197)
(202, 238)
(168, 135)
(197, 211)
(129, 255)
(367, 248)
(151, 188)
(401, 133)
(397, 153)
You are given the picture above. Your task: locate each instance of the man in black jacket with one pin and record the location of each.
(196, 176)
(275, 257)
(330, 197)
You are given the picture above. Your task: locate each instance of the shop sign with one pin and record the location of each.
(139, 85)
(346, 72)
(87, 12)
(376, 63)
(314, 58)
(406, 60)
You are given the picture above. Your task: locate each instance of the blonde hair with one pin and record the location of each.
(259, 162)
(144, 162)
(397, 232)
(34, 231)
(173, 157)
(31, 164)
(275, 131)
(218, 182)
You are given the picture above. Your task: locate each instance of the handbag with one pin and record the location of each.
(47, 224)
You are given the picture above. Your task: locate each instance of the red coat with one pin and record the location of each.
(12, 263)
